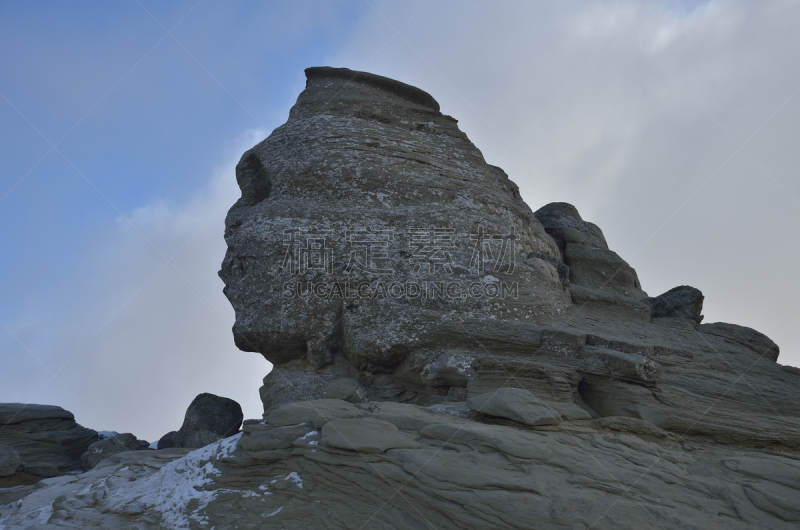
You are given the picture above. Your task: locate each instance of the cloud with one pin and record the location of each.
(143, 327)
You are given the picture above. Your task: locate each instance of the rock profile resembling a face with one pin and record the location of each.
(369, 224)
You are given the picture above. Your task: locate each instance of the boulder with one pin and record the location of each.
(208, 419)
(10, 461)
(45, 433)
(168, 440)
(106, 447)
(515, 404)
(678, 302)
(284, 385)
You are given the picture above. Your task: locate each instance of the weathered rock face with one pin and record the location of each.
(369, 225)
(584, 250)
(44, 433)
(368, 189)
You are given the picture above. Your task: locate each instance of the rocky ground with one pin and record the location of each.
(530, 382)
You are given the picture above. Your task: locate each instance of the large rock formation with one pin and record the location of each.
(444, 357)
(44, 434)
(373, 243)
(368, 202)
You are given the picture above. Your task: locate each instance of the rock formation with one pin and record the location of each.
(444, 357)
(44, 434)
(208, 419)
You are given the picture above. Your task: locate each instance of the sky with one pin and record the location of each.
(672, 125)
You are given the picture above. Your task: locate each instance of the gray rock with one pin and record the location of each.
(41, 469)
(365, 157)
(515, 404)
(678, 302)
(561, 269)
(106, 447)
(445, 472)
(747, 337)
(344, 388)
(45, 433)
(404, 183)
(365, 435)
(10, 461)
(627, 367)
(585, 251)
(283, 385)
(208, 419)
(169, 440)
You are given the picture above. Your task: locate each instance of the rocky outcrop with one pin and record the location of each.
(333, 464)
(445, 358)
(44, 433)
(515, 404)
(368, 191)
(584, 250)
(208, 419)
(743, 336)
(678, 302)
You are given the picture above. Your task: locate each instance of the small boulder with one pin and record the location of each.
(10, 461)
(41, 469)
(516, 404)
(679, 302)
(106, 447)
(169, 440)
(208, 419)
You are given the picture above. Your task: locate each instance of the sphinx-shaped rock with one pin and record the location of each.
(376, 257)
(367, 223)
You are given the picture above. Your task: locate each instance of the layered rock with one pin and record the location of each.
(44, 434)
(568, 403)
(333, 464)
(369, 185)
(368, 202)
(678, 302)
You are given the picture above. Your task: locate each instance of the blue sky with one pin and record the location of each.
(671, 125)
